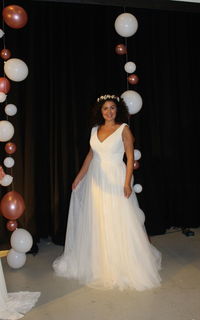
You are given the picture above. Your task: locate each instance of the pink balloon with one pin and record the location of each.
(120, 49)
(5, 54)
(12, 205)
(133, 79)
(11, 225)
(15, 16)
(10, 147)
(4, 85)
(136, 165)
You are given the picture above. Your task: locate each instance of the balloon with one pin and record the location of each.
(21, 240)
(137, 154)
(5, 54)
(1, 33)
(16, 259)
(11, 225)
(126, 24)
(15, 16)
(130, 67)
(6, 130)
(15, 69)
(137, 188)
(133, 79)
(10, 147)
(2, 173)
(12, 205)
(4, 85)
(6, 181)
(120, 49)
(133, 101)
(2, 96)
(10, 109)
(136, 165)
(9, 162)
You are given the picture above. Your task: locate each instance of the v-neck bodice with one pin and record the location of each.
(108, 135)
(111, 149)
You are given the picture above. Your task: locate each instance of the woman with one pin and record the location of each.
(106, 242)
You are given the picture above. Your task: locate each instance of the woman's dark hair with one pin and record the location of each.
(122, 115)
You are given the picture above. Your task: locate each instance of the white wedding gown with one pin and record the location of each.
(106, 242)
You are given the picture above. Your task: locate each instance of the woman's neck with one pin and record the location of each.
(109, 123)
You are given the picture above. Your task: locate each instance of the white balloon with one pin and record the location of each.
(130, 67)
(15, 69)
(2, 96)
(9, 162)
(126, 24)
(1, 33)
(10, 109)
(133, 101)
(137, 154)
(21, 240)
(6, 130)
(16, 259)
(137, 188)
(6, 180)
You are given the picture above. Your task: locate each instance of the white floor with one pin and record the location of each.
(178, 298)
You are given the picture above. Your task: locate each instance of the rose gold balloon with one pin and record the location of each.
(136, 165)
(15, 16)
(5, 54)
(10, 147)
(12, 205)
(11, 225)
(120, 49)
(133, 79)
(4, 85)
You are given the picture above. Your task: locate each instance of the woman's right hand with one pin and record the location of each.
(75, 183)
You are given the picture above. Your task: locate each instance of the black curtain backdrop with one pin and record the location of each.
(69, 49)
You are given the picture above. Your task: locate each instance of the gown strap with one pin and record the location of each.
(94, 129)
(121, 128)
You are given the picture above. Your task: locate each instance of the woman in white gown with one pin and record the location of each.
(106, 242)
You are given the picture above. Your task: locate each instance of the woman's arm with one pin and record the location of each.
(83, 169)
(128, 140)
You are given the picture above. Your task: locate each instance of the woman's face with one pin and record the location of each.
(109, 111)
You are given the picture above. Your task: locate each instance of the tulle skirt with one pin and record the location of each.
(106, 242)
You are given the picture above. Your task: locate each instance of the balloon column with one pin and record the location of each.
(12, 204)
(126, 26)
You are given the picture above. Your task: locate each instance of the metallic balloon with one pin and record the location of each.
(5, 54)
(121, 49)
(10, 147)
(11, 225)
(133, 79)
(136, 165)
(15, 16)
(12, 205)
(4, 85)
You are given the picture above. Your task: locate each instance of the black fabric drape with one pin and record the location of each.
(69, 50)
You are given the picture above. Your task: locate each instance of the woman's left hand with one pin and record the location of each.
(127, 191)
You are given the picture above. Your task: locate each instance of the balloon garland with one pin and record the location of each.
(126, 26)
(12, 205)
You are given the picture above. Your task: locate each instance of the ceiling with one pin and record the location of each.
(172, 5)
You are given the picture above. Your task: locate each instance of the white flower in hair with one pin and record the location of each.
(107, 96)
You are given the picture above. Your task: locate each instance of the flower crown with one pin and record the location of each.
(108, 96)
